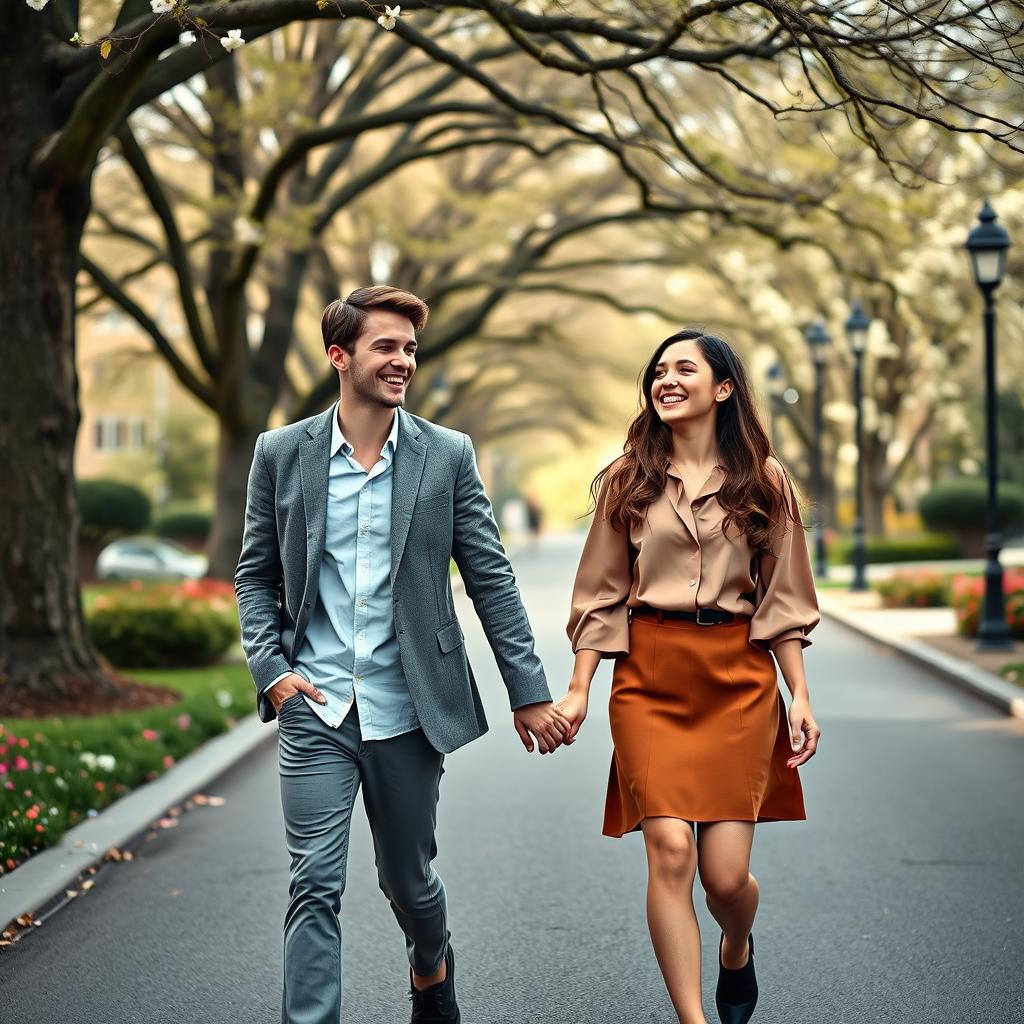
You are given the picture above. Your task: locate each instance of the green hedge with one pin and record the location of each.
(960, 506)
(921, 548)
(191, 623)
(184, 523)
(108, 507)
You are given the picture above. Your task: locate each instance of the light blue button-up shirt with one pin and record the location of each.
(350, 650)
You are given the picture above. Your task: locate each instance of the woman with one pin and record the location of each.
(694, 574)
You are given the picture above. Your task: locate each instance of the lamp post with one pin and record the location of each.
(776, 386)
(857, 334)
(986, 245)
(817, 338)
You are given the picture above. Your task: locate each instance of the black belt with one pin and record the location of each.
(702, 616)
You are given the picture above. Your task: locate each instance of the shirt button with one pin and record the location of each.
(693, 583)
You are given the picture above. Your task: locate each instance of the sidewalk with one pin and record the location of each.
(928, 636)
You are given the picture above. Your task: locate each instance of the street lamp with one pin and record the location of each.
(817, 338)
(986, 245)
(776, 387)
(857, 335)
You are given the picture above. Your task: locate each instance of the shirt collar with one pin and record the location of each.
(711, 486)
(338, 438)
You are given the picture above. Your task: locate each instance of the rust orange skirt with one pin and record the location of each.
(700, 729)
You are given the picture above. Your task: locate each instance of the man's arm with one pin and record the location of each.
(258, 579)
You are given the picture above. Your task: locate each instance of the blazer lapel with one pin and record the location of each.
(409, 458)
(314, 463)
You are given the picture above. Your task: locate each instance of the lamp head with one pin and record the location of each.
(986, 245)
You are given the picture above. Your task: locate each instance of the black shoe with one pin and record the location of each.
(736, 995)
(437, 1005)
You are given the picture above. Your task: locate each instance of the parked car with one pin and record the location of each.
(139, 558)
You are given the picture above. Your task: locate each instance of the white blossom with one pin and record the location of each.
(75, 40)
(247, 232)
(107, 762)
(161, 6)
(37, 5)
(88, 759)
(223, 697)
(186, 38)
(233, 40)
(389, 18)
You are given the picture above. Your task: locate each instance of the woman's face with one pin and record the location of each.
(684, 388)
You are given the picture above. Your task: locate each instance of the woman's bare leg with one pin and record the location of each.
(672, 866)
(732, 892)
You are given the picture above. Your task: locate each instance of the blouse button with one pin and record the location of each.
(693, 583)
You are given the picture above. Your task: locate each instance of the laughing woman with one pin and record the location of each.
(694, 574)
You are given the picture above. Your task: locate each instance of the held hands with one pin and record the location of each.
(802, 726)
(289, 686)
(543, 721)
(574, 709)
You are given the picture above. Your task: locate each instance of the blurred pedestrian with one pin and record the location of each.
(694, 574)
(534, 518)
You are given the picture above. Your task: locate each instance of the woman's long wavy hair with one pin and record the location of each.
(750, 495)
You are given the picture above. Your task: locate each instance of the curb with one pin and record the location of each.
(46, 875)
(985, 685)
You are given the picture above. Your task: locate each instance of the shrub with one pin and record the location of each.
(968, 595)
(959, 506)
(173, 626)
(107, 508)
(921, 589)
(188, 523)
(921, 548)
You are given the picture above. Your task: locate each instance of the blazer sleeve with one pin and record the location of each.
(599, 619)
(786, 604)
(258, 581)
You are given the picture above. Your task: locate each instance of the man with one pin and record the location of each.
(349, 628)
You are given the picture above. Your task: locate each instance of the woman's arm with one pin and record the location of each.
(789, 654)
(574, 704)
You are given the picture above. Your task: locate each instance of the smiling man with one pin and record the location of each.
(349, 628)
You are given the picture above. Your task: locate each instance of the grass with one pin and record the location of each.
(56, 772)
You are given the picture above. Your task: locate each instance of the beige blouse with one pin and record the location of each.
(678, 559)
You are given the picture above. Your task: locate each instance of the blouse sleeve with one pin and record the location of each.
(785, 599)
(599, 620)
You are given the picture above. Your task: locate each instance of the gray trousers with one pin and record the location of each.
(321, 771)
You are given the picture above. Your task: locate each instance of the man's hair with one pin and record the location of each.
(344, 319)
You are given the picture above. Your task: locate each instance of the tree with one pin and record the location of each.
(881, 66)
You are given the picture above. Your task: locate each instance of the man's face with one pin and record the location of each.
(382, 361)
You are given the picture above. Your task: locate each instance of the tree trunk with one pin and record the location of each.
(45, 649)
(234, 457)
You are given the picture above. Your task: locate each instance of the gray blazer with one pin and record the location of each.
(439, 511)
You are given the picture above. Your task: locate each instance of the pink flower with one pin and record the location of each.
(183, 722)
(23, 742)
(135, 585)
(32, 812)
(40, 828)
(3, 748)
(20, 764)
(150, 734)
(168, 760)
(3, 768)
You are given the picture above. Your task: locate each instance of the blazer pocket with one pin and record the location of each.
(449, 637)
(432, 501)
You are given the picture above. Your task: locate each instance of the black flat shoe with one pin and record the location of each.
(736, 994)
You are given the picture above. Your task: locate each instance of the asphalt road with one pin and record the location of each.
(900, 899)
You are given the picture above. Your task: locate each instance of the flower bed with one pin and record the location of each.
(968, 594)
(164, 625)
(55, 772)
(909, 589)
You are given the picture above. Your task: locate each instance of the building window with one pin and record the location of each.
(117, 433)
